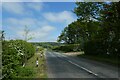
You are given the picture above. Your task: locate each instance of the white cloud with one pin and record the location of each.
(36, 6)
(42, 32)
(22, 1)
(14, 7)
(47, 28)
(38, 30)
(47, 1)
(22, 8)
(24, 21)
(39, 34)
(65, 16)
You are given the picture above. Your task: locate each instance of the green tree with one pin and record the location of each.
(87, 11)
(98, 25)
(110, 17)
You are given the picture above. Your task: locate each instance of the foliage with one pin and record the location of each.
(37, 72)
(96, 29)
(79, 32)
(110, 16)
(94, 47)
(2, 37)
(68, 48)
(14, 54)
(48, 45)
(24, 72)
(87, 11)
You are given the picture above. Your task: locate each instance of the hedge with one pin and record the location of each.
(68, 48)
(95, 47)
(14, 53)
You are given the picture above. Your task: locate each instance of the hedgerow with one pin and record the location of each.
(68, 48)
(14, 54)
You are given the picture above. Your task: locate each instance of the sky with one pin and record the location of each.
(45, 20)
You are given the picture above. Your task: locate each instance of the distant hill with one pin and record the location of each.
(47, 44)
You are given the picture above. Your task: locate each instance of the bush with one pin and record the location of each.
(23, 48)
(25, 72)
(12, 56)
(68, 48)
(94, 47)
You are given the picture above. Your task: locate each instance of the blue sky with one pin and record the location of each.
(45, 20)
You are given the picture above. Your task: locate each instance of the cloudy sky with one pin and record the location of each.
(45, 20)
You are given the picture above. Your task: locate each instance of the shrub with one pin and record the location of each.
(12, 56)
(94, 47)
(24, 72)
(68, 48)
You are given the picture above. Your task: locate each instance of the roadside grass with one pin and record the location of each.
(100, 58)
(108, 60)
(40, 71)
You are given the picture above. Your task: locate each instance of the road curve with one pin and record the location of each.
(62, 66)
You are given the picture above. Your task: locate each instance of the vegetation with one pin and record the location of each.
(96, 29)
(40, 71)
(48, 45)
(96, 32)
(27, 34)
(102, 58)
(68, 48)
(15, 54)
(19, 60)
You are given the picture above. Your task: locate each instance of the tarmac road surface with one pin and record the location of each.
(62, 66)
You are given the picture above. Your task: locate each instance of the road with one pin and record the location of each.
(62, 66)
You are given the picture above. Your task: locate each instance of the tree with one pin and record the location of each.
(26, 34)
(98, 25)
(2, 37)
(110, 16)
(87, 11)
(78, 32)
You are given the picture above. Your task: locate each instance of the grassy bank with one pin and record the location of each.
(40, 71)
(103, 59)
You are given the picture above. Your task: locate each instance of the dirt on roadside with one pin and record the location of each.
(73, 53)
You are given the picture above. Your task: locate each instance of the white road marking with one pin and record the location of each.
(77, 65)
(83, 68)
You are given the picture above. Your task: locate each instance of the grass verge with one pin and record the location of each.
(40, 71)
(103, 59)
